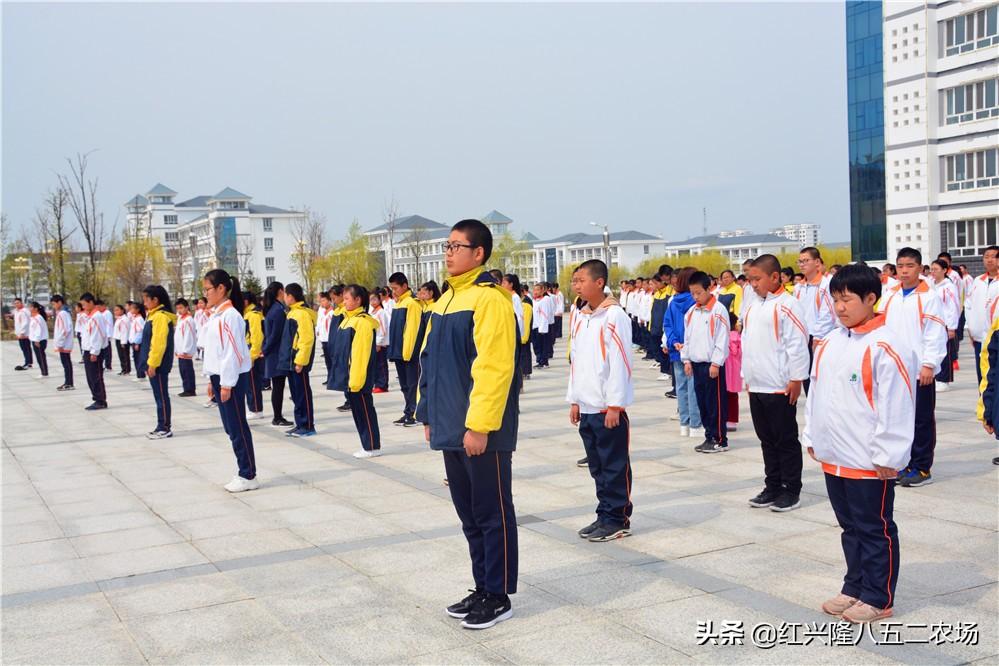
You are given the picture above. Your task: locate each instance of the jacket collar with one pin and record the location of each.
(606, 303)
(249, 308)
(475, 276)
(920, 288)
(871, 324)
(353, 313)
(707, 306)
(818, 278)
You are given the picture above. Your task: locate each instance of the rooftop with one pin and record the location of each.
(494, 216)
(712, 240)
(161, 190)
(408, 223)
(229, 193)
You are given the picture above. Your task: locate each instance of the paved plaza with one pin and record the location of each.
(117, 549)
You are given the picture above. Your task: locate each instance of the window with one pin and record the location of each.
(268, 224)
(270, 278)
(170, 236)
(969, 238)
(645, 249)
(169, 219)
(972, 101)
(968, 32)
(968, 171)
(268, 245)
(269, 263)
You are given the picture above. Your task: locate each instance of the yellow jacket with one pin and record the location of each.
(254, 330)
(733, 290)
(161, 322)
(358, 350)
(305, 333)
(528, 308)
(404, 328)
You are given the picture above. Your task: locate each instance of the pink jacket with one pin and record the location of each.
(733, 366)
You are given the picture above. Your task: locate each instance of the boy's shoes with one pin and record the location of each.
(710, 446)
(684, 431)
(786, 502)
(914, 477)
(210, 403)
(585, 532)
(487, 611)
(21, 368)
(410, 422)
(838, 604)
(465, 606)
(765, 498)
(292, 433)
(995, 461)
(65, 387)
(238, 484)
(696, 433)
(159, 434)
(302, 432)
(400, 421)
(671, 393)
(608, 533)
(583, 462)
(253, 416)
(96, 405)
(732, 427)
(942, 387)
(662, 377)
(379, 390)
(281, 423)
(186, 394)
(345, 407)
(364, 453)
(861, 613)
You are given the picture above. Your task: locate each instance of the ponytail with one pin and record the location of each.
(218, 277)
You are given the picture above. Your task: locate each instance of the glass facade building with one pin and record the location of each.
(865, 104)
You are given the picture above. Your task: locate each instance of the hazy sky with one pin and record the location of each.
(635, 116)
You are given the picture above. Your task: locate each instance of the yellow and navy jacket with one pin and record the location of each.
(254, 331)
(156, 348)
(404, 328)
(660, 301)
(988, 406)
(467, 365)
(353, 350)
(421, 333)
(298, 343)
(528, 306)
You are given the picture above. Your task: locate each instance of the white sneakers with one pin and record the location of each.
(697, 433)
(684, 431)
(239, 484)
(662, 377)
(942, 387)
(252, 416)
(208, 404)
(367, 454)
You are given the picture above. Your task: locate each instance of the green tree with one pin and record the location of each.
(350, 260)
(250, 282)
(135, 262)
(510, 254)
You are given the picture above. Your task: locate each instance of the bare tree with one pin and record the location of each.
(81, 191)
(174, 252)
(416, 238)
(311, 244)
(244, 257)
(390, 216)
(54, 233)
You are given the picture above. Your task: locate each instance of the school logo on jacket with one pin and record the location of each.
(854, 378)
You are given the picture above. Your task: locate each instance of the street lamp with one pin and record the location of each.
(607, 252)
(21, 268)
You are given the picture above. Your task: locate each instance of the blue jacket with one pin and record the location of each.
(673, 322)
(273, 330)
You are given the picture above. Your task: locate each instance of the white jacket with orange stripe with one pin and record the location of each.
(705, 334)
(224, 340)
(918, 320)
(861, 406)
(599, 359)
(980, 306)
(817, 306)
(774, 343)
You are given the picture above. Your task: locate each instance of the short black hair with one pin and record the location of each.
(788, 271)
(396, 278)
(85, 296)
(990, 248)
(910, 253)
(295, 291)
(595, 267)
(946, 255)
(730, 272)
(478, 235)
(181, 301)
(57, 298)
(857, 279)
(361, 293)
(158, 292)
(768, 263)
(700, 278)
(812, 252)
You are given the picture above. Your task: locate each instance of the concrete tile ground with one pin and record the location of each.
(117, 549)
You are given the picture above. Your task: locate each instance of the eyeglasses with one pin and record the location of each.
(450, 248)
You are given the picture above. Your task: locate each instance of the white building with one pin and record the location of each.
(736, 249)
(805, 235)
(941, 109)
(225, 230)
(627, 249)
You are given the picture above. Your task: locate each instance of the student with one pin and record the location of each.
(122, 324)
(38, 335)
(950, 302)
(749, 295)
(354, 367)
(733, 372)
(274, 322)
(92, 341)
(660, 302)
(859, 427)
(135, 337)
(227, 366)
(79, 323)
(988, 406)
(468, 405)
(511, 283)
(156, 354)
(558, 305)
(428, 294)
(541, 321)
(298, 347)
(730, 291)
(600, 390)
(704, 353)
(404, 328)
(381, 341)
(980, 302)
(200, 319)
(774, 365)
(526, 364)
(787, 279)
(62, 340)
(336, 299)
(673, 328)
(22, 326)
(323, 316)
(107, 322)
(914, 314)
(255, 339)
(814, 299)
(185, 345)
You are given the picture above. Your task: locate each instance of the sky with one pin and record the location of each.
(634, 116)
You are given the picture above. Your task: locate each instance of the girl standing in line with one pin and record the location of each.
(135, 336)
(156, 354)
(733, 371)
(185, 345)
(354, 367)
(38, 335)
(120, 334)
(274, 320)
(381, 341)
(62, 340)
(255, 339)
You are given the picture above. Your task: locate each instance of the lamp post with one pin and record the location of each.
(607, 251)
(21, 268)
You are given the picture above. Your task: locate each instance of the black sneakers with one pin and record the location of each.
(465, 606)
(585, 532)
(766, 498)
(786, 502)
(406, 421)
(96, 405)
(583, 462)
(281, 423)
(711, 446)
(488, 611)
(186, 394)
(609, 533)
(345, 407)
(400, 421)
(671, 393)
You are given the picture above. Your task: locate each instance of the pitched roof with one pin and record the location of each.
(229, 193)
(138, 201)
(159, 189)
(409, 223)
(581, 238)
(200, 201)
(495, 216)
(713, 240)
(257, 209)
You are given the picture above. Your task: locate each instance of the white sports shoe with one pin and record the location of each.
(942, 387)
(239, 484)
(251, 416)
(697, 433)
(684, 431)
(662, 377)
(367, 454)
(208, 404)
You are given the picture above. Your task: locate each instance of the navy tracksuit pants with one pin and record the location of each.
(381, 368)
(609, 460)
(43, 362)
(25, 345)
(362, 408)
(255, 392)
(95, 378)
(186, 368)
(712, 401)
(67, 367)
(538, 342)
(233, 413)
(776, 425)
(160, 383)
(924, 442)
(106, 356)
(301, 396)
(480, 490)
(409, 380)
(864, 509)
(135, 361)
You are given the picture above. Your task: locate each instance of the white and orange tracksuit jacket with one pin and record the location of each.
(980, 306)
(600, 360)
(861, 407)
(918, 320)
(774, 343)
(705, 334)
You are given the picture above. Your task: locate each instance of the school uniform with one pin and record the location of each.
(185, 345)
(950, 302)
(542, 322)
(78, 325)
(333, 322)
(524, 353)
(705, 344)
(121, 331)
(22, 326)
(93, 341)
(227, 365)
(323, 316)
(107, 321)
(673, 331)
(274, 323)
(861, 413)
(156, 353)
(558, 301)
(817, 307)
(200, 319)
(354, 368)
(404, 328)
(255, 340)
(62, 341)
(138, 325)
(298, 348)
(600, 378)
(917, 319)
(38, 335)
(660, 301)
(381, 348)
(775, 352)
(468, 383)
(980, 304)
